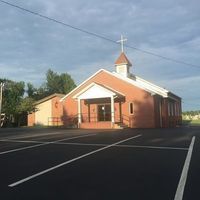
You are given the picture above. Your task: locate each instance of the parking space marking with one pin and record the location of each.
(73, 132)
(98, 144)
(35, 135)
(70, 161)
(127, 146)
(43, 144)
(183, 178)
(20, 149)
(23, 141)
(153, 147)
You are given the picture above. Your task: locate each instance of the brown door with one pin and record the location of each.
(104, 112)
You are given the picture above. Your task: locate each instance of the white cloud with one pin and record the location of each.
(30, 45)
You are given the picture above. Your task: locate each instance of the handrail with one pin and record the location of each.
(93, 117)
(59, 121)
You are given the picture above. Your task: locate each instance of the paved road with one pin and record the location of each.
(98, 164)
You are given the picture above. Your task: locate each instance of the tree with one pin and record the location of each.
(36, 93)
(56, 83)
(16, 106)
(31, 90)
(25, 106)
(12, 96)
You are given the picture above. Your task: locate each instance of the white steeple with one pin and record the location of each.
(122, 64)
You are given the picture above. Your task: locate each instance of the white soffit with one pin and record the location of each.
(137, 81)
(81, 84)
(143, 84)
(94, 91)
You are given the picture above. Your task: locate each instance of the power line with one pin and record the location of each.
(59, 22)
(97, 35)
(164, 57)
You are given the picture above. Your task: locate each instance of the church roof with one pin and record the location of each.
(49, 97)
(122, 59)
(136, 81)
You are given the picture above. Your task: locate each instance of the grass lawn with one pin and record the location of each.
(192, 122)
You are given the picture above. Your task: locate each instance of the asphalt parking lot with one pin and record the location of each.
(140, 164)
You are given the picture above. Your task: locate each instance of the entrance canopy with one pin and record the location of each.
(97, 91)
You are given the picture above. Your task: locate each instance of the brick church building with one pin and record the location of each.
(120, 99)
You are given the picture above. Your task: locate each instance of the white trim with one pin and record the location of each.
(123, 64)
(83, 90)
(174, 98)
(94, 91)
(152, 84)
(138, 82)
(81, 84)
(79, 112)
(105, 89)
(112, 110)
(145, 85)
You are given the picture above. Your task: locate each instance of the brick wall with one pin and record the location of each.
(144, 114)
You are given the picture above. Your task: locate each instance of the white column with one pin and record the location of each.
(112, 110)
(79, 112)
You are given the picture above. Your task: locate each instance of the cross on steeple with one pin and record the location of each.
(122, 42)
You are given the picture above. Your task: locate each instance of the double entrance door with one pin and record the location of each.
(104, 112)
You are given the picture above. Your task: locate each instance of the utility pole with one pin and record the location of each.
(1, 97)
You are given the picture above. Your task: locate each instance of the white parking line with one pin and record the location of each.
(32, 136)
(23, 141)
(69, 161)
(99, 144)
(153, 147)
(46, 143)
(127, 146)
(182, 181)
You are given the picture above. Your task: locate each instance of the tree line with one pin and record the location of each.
(19, 97)
(191, 113)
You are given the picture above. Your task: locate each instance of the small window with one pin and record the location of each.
(172, 109)
(169, 110)
(175, 109)
(131, 108)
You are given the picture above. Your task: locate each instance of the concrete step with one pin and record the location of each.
(120, 126)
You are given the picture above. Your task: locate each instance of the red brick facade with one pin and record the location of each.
(112, 100)
(150, 110)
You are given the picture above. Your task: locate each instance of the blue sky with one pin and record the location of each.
(30, 45)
